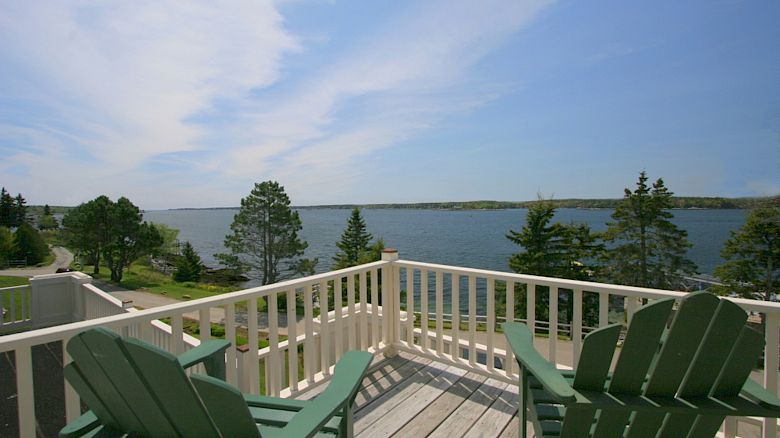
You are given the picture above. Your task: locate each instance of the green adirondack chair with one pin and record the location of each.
(136, 389)
(670, 380)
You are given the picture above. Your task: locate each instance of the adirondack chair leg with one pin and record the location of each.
(523, 401)
(346, 425)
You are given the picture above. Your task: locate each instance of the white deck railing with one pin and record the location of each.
(14, 308)
(454, 306)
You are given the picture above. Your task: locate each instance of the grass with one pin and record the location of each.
(141, 276)
(5, 299)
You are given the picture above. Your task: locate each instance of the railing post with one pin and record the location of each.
(391, 312)
(772, 337)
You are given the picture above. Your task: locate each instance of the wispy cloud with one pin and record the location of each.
(115, 88)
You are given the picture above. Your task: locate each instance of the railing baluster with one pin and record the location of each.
(375, 308)
(531, 307)
(397, 305)
(72, 400)
(772, 337)
(630, 304)
(275, 369)
(455, 312)
(324, 329)
(424, 341)
(12, 306)
(553, 331)
(491, 322)
(576, 329)
(24, 388)
(410, 306)
(439, 313)
(472, 319)
(23, 299)
(362, 279)
(230, 335)
(292, 342)
(339, 324)
(252, 339)
(177, 330)
(351, 319)
(509, 360)
(603, 309)
(308, 347)
(205, 324)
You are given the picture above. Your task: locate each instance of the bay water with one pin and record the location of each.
(468, 238)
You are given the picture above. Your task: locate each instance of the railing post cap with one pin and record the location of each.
(389, 254)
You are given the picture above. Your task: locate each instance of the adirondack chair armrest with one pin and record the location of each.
(80, 426)
(522, 342)
(285, 404)
(760, 395)
(211, 354)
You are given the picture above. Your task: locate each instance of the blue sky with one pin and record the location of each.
(188, 104)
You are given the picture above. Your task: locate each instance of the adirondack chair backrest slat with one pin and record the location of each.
(595, 360)
(640, 345)
(165, 379)
(89, 395)
(93, 355)
(721, 336)
(226, 406)
(713, 351)
(690, 323)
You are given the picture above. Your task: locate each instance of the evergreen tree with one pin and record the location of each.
(646, 248)
(30, 245)
(354, 243)
(20, 210)
(265, 242)
(7, 212)
(189, 265)
(752, 255)
(7, 246)
(553, 250)
(46, 210)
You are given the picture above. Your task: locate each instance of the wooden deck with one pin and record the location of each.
(411, 396)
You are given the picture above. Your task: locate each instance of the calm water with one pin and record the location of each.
(473, 239)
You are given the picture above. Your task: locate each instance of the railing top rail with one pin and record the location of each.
(55, 333)
(750, 305)
(9, 288)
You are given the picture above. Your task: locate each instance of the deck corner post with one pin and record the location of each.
(391, 312)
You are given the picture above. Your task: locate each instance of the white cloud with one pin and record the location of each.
(119, 85)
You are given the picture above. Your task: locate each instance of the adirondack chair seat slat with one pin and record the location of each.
(675, 375)
(136, 388)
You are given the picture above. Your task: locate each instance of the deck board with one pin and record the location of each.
(412, 396)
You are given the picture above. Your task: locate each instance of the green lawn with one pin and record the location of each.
(5, 299)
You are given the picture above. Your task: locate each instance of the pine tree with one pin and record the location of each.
(7, 246)
(189, 265)
(7, 216)
(20, 210)
(752, 255)
(354, 243)
(265, 242)
(646, 248)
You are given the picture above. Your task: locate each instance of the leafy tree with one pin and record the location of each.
(129, 237)
(7, 212)
(48, 222)
(265, 242)
(752, 256)
(645, 248)
(7, 245)
(170, 238)
(354, 243)
(30, 245)
(189, 265)
(87, 229)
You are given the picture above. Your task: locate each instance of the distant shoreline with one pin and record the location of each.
(679, 203)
